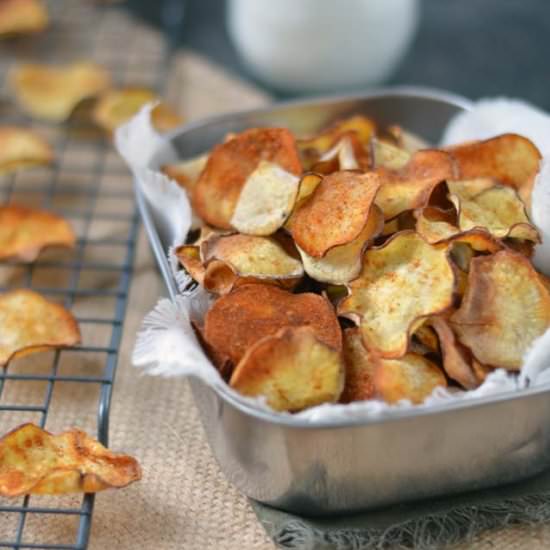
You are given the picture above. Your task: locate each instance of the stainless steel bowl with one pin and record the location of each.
(343, 466)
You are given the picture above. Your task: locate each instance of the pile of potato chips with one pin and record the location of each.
(360, 263)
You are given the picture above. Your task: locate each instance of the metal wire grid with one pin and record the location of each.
(89, 186)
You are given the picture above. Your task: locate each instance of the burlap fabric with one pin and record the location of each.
(183, 501)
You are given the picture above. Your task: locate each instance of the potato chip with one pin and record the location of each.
(400, 284)
(508, 158)
(307, 186)
(229, 165)
(116, 106)
(239, 319)
(411, 186)
(292, 369)
(457, 360)
(335, 213)
(246, 258)
(468, 189)
(21, 148)
(506, 307)
(24, 232)
(266, 200)
(34, 461)
(186, 172)
(22, 17)
(359, 384)
(360, 127)
(481, 371)
(413, 377)
(342, 263)
(29, 323)
(499, 210)
(426, 335)
(51, 92)
(190, 258)
(407, 140)
(434, 224)
(346, 154)
(387, 155)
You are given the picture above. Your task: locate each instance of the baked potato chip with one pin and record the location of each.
(335, 213)
(307, 186)
(24, 232)
(116, 106)
(186, 172)
(342, 263)
(360, 127)
(34, 461)
(468, 189)
(457, 360)
(292, 369)
(410, 187)
(189, 257)
(229, 165)
(481, 371)
(506, 306)
(346, 154)
(499, 210)
(266, 200)
(508, 158)
(22, 17)
(400, 284)
(407, 140)
(249, 259)
(387, 155)
(434, 224)
(426, 335)
(359, 384)
(239, 319)
(412, 377)
(51, 92)
(29, 323)
(21, 148)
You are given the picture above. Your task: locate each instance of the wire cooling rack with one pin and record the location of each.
(89, 186)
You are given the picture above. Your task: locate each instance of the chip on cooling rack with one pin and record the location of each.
(411, 186)
(412, 377)
(236, 259)
(29, 323)
(505, 308)
(292, 369)
(239, 319)
(24, 232)
(229, 165)
(116, 106)
(52, 92)
(508, 158)
(34, 461)
(266, 200)
(499, 210)
(21, 148)
(400, 284)
(22, 17)
(336, 212)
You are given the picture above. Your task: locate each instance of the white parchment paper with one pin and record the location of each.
(167, 345)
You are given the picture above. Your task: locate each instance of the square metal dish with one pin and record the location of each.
(347, 465)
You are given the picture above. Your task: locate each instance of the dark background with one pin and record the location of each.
(475, 48)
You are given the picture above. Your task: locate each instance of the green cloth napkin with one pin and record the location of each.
(427, 525)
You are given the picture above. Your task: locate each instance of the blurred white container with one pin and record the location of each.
(322, 45)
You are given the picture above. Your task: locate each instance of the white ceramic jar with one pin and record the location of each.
(322, 45)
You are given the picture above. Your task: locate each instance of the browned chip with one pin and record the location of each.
(219, 186)
(411, 186)
(434, 224)
(387, 155)
(190, 258)
(24, 232)
(186, 172)
(29, 323)
(412, 377)
(400, 284)
(20, 148)
(457, 361)
(335, 213)
(239, 319)
(348, 153)
(359, 368)
(52, 92)
(505, 308)
(508, 158)
(292, 369)
(116, 106)
(22, 17)
(407, 140)
(33, 461)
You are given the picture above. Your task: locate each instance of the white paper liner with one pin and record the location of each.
(167, 344)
